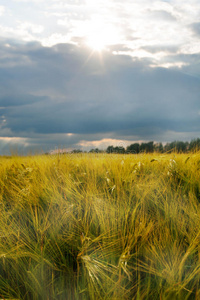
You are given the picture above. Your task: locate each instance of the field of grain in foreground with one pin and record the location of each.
(100, 226)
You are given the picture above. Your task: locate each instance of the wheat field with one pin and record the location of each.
(100, 226)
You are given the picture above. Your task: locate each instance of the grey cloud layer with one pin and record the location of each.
(66, 89)
(196, 28)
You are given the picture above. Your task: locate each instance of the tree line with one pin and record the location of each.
(150, 147)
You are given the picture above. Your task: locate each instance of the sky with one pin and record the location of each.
(81, 74)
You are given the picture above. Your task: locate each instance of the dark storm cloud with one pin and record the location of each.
(69, 89)
(19, 100)
(191, 63)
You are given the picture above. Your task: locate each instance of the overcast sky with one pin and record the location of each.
(92, 73)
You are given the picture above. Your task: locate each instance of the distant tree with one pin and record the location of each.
(96, 150)
(169, 147)
(76, 151)
(158, 147)
(119, 150)
(194, 145)
(147, 147)
(133, 148)
(177, 146)
(110, 149)
(181, 146)
(150, 147)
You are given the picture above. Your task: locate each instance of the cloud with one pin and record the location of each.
(2, 10)
(69, 89)
(162, 15)
(196, 28)
(144, 86)
(103, 143)
(28, 1)
(30, 27)
(161, 48)
(19, 100)
(119, 47)
(9, 145)
(134, 24)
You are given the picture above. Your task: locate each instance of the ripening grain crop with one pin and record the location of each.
(100, 226)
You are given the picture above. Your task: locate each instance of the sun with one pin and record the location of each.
(96, 43)
(100, 35)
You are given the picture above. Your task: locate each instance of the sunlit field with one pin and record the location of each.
(100, 226)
